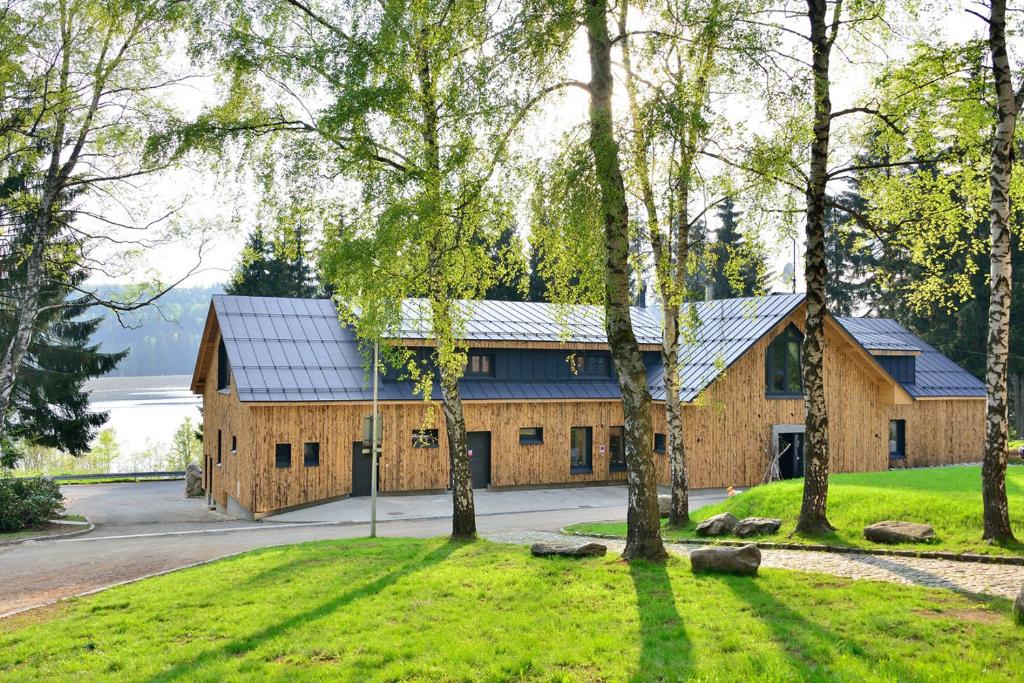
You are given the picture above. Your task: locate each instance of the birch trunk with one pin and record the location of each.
(813, 518)
(643, 535)
(463, 509)
(993, 469)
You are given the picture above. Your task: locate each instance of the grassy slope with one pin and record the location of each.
(948, 498)
(395, 609)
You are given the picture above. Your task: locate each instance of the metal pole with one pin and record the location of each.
(373, 449)
(794, 265)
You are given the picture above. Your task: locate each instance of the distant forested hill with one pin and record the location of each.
(162, 340)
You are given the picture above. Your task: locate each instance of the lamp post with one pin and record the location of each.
(373, 448)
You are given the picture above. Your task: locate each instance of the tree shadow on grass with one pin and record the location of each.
(189, 669)
(809, 646)
(665, 649)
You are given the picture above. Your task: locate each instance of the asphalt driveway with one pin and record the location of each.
(146, 528)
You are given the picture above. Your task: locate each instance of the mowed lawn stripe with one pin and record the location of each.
(397, 609)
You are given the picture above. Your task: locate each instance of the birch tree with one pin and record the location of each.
(392, 123)
(83, 86)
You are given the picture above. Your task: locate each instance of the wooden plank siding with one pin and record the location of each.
(727, 431)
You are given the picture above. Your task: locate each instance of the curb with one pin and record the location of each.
(53, 537)
(839, 549)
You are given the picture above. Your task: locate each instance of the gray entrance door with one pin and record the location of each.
(362, 469)
(480, 458)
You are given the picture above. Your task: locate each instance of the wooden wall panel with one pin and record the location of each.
(943, 432)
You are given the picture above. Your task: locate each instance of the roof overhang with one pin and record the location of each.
(519, 344)
(890, 392)
(207, 350)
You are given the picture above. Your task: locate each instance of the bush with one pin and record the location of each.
(28, 502)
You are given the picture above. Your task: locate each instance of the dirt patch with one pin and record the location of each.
(979, 616)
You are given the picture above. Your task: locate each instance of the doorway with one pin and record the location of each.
(790, 447)
(362, 469)
(480, 459)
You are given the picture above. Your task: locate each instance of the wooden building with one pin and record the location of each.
(286, 391)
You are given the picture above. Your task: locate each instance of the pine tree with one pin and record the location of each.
(538, 286)
(739, 267)
(275, 267)
(507, 257)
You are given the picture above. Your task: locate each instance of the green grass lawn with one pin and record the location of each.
(948, 498)
(397, 609)
(47, 530)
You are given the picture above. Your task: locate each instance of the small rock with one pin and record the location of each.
(193, 481)
(757, 526)
(899, 532)
(664, 504)
(728, 559)
(568, 550)
(718, 525)
(1018, 607)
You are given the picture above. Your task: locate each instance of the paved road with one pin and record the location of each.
(149, 527)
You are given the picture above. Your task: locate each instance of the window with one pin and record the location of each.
(616, 450)
(782, 365)
(234, 444)
(480, 365)
(223, 367)
(218, 446)
(897, 439)
(283, 455)
(659, 443)
(311, 454)
(424, 438)
(529, 436)
(581, 456)
(591, 365)
(901, 368)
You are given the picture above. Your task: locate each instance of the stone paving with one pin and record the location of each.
(966, 577)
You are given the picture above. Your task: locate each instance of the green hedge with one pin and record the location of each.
(28, 503)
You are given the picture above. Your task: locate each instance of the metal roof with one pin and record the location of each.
(721, 332)
(526, 321)
(935, 375)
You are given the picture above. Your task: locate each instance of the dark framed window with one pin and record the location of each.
(283, 455)
(581, 450)
(218, 446)
(660, 443)
(616, 449)
(223, 366)
(311, 454)
(897, 439)
(424, 438)
(902, 368)
(591, 365)
(529, 436)
(234, 444)
(480, 365)
(782, 365)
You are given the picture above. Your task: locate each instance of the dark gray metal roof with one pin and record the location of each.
(936, 375)
(723, 330)
(527, 321)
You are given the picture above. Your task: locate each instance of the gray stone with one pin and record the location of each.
(890, 531)
(718, 525)
(728, 559)
(664, 504)
(568, 549)
(757, 526)
(1018, 607)
(193, 481)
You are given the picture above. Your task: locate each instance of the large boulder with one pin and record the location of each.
(1018, 607)
(664, 504)
(757, 526)
(719, 525)
(728, 559)
(568, 549)
(193, 481)
(891, 531)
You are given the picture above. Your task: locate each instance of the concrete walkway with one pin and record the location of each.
(964, 577)
(430, 506)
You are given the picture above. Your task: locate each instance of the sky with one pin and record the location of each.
(212, 211)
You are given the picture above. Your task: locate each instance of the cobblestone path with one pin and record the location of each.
(969, 577)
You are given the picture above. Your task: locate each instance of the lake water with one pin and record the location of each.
(144, 411)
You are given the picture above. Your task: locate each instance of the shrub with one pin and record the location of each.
(28, 502)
